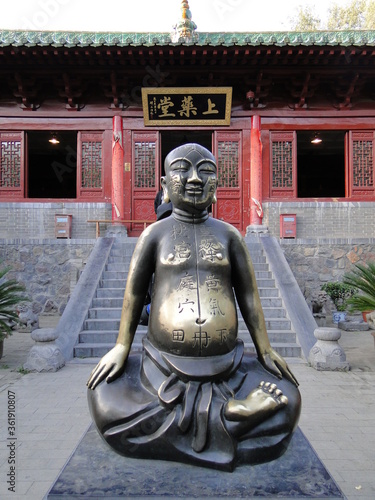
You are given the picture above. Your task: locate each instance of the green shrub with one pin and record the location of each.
(10, 296)
(362, 279)
(339, 293)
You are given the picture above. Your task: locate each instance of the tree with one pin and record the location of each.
(370, 16)
(306, 20)
(355, 15)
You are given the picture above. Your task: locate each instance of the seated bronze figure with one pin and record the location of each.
(193, 395)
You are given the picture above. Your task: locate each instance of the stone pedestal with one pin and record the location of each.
(327, 354)
(96, 471)
(44, 356)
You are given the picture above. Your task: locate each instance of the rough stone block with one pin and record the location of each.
(353, 326)
(45, 357)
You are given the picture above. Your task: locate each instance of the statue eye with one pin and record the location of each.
(180, 166)
(207, 168)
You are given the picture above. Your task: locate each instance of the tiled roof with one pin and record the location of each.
(281, 39)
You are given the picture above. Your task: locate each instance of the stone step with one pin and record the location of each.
(117, 302)
(266, 283)
(118, 275)
(123, 266)
(268, 292)
(119, 292)
(120, 283)
(101, 327)
(123, 275)
(269, 312)
(98, 350)
(110, 336)
(112, 283)
(115, 313)
(110, 292)
(114, 259)
(119, 258)
(284, 349)
(114, 324)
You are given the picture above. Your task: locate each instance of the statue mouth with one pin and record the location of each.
(194, 190)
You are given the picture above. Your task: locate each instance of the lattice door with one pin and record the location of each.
(145, 177)
(228, 152)
(283, 164)
(90, 163)
(362, 164)
(11, 165)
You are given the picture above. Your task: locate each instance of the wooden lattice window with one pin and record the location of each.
(144, 164)
(362, 163)
(228, 163)
(90, 163)
(233, 178)
(11, 164)
(283, 164)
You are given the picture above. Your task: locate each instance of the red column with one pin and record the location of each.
(256, 210)
(117, 170)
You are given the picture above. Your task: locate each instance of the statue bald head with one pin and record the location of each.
(194, 153)
(190, 178)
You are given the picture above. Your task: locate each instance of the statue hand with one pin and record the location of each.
(276, 364)
(109, 367)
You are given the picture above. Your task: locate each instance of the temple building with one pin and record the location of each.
(86, 120)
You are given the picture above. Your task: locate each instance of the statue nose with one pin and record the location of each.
(194, 176)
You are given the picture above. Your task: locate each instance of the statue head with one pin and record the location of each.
(190, 179)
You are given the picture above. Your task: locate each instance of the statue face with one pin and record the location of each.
(191, 177)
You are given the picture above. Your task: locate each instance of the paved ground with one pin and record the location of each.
(338, 418)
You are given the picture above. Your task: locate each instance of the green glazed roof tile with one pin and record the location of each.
(280, 39)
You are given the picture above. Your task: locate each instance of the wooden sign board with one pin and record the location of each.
(187, 106)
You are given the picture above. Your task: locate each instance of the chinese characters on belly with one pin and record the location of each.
(198, 297)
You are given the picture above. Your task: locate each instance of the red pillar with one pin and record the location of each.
(256, 210)
(117, 170)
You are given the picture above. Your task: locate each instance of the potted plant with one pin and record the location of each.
(362, 279)
(339, 293)
(10, 296)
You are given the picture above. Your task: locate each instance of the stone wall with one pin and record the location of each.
(37, 220)
(324, 219)
(314, 262)
(48, 268)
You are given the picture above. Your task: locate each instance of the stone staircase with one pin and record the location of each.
(101, 326)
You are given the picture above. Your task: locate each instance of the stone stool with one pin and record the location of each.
(327, 354)
(45, 356)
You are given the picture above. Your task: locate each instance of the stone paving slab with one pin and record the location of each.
(338, 413)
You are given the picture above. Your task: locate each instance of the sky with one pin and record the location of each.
(152, 15)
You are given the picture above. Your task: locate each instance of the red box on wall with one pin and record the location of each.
(288, 225)
(63, 226)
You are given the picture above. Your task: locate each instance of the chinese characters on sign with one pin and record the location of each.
(187, 106)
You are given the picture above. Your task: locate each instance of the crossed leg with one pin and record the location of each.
(260, 404)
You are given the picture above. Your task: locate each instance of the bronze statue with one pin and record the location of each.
(193, 395)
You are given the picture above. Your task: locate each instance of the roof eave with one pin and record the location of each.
(96, 39)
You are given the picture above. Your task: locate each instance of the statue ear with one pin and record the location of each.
(214, 199)
(165, 190)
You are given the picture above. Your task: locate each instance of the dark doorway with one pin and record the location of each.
(173, 138)
(52, 167)
(321, 166)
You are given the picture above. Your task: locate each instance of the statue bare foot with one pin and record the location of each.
(260, 404)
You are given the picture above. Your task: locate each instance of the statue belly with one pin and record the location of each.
(194, 327)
